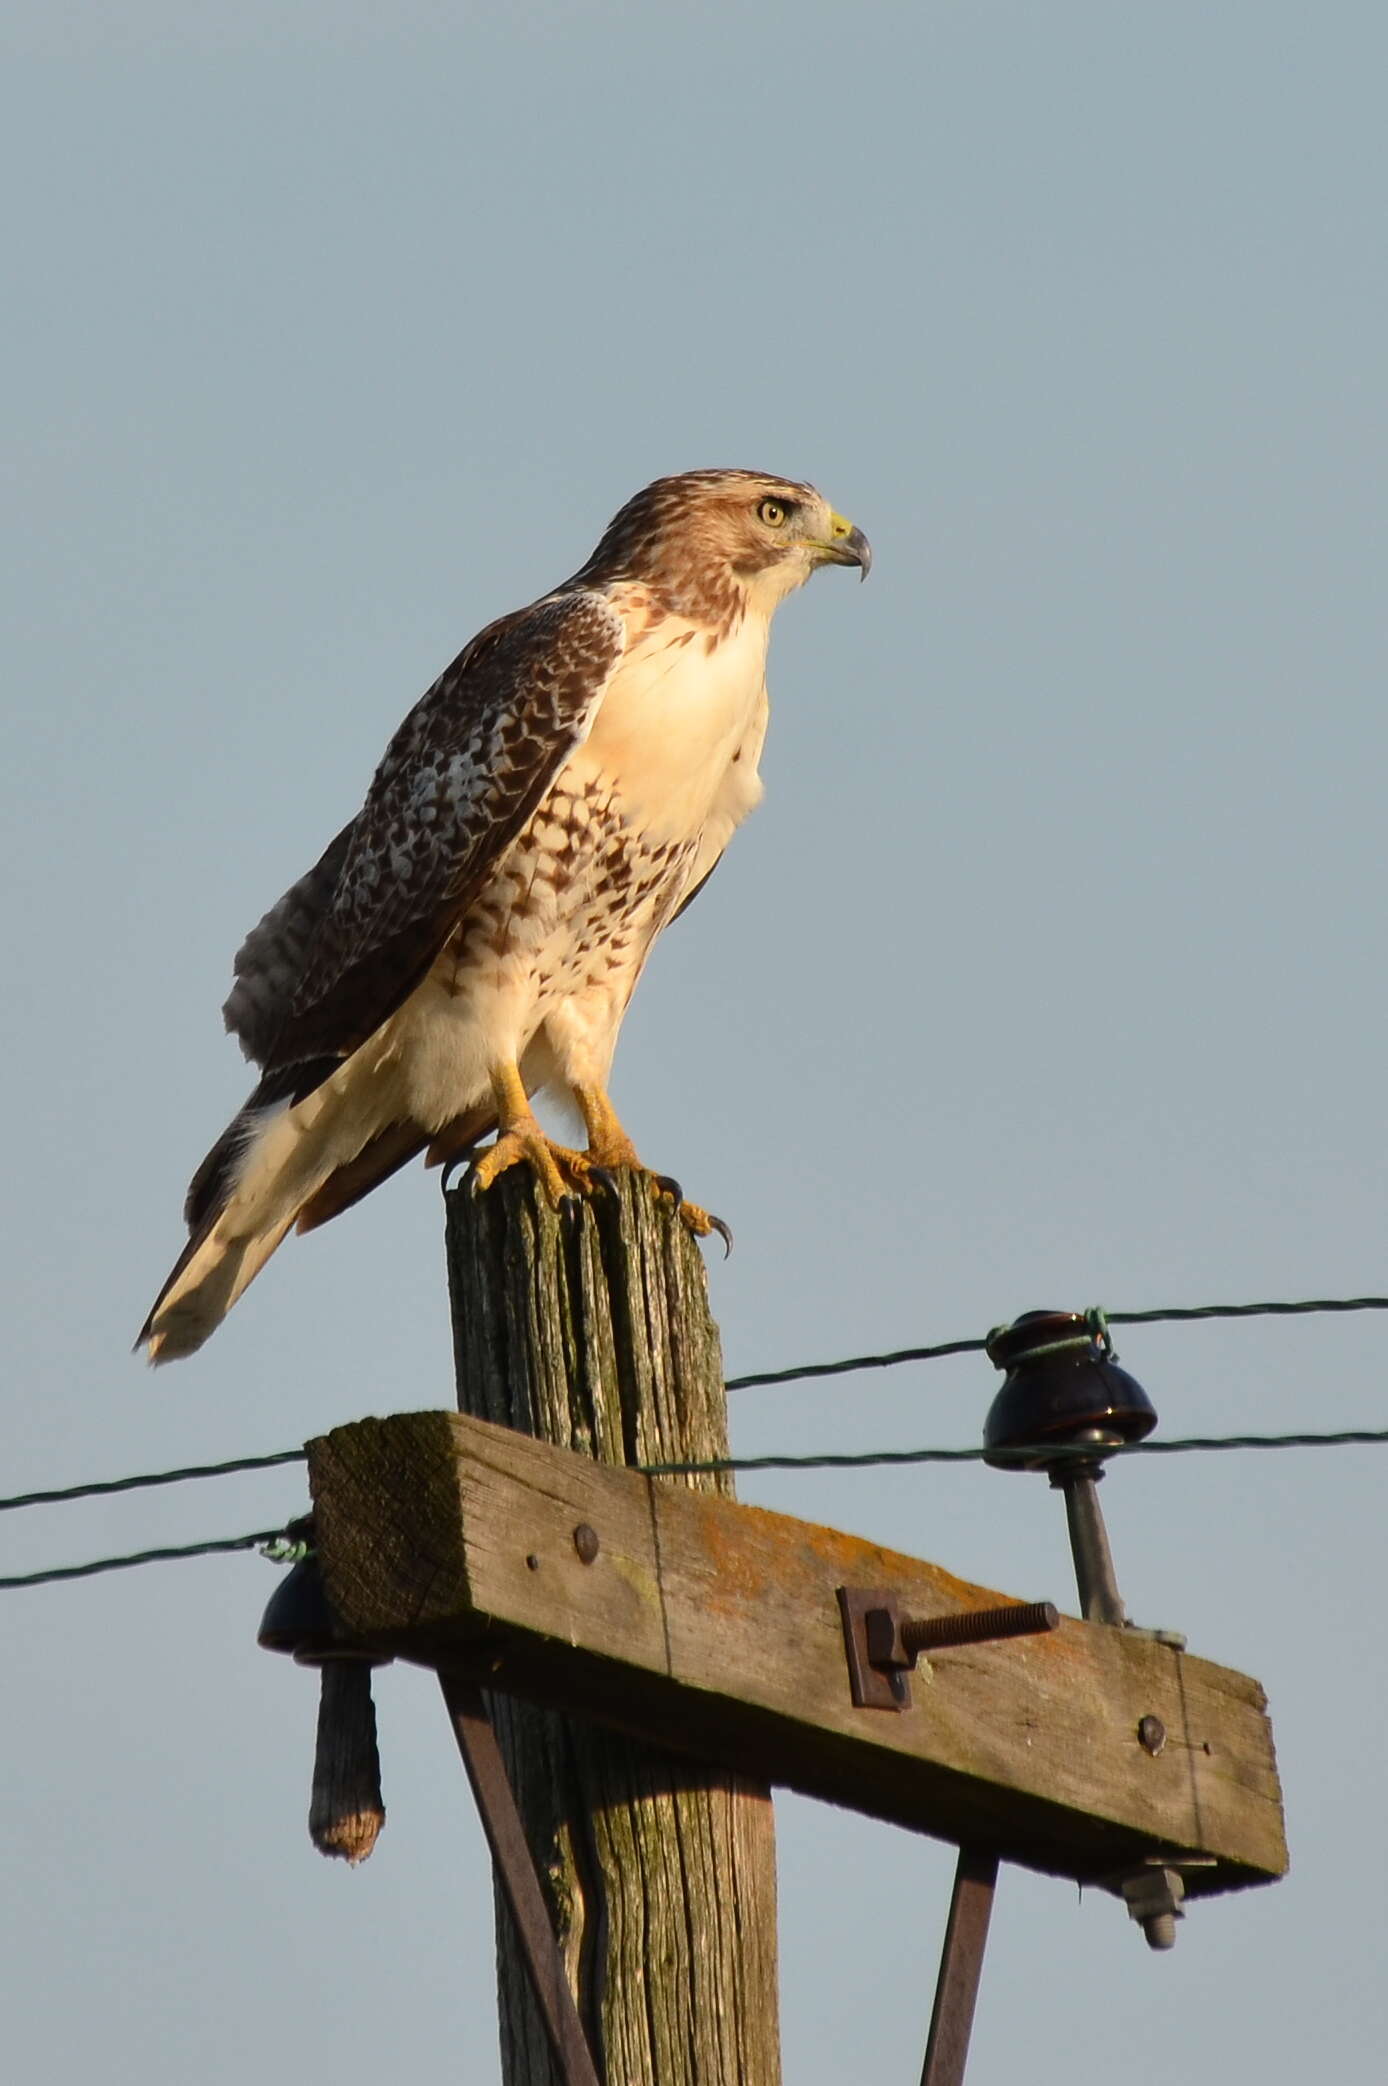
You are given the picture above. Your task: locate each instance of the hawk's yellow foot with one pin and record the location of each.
(521, 1141)
(610, 1149)
(526, 1144)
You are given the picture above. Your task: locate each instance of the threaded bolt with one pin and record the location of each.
(978, 1626)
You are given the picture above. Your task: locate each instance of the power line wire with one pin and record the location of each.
(857, 1361)
(89, 1570)
(61, 1493)
(1350, 1437)
(1181, 1314)
(1175, 1314)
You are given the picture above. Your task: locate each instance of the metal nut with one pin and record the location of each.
(1154, 1899)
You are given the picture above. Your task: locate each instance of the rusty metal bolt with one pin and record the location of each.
(897, 1641)
(1151, 1735)
(586, 1542)
(977, 1626)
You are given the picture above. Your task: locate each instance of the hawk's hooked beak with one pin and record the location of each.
(846, 545)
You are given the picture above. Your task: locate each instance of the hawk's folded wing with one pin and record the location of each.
(349, 942)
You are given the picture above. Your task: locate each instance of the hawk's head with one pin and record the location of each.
(714, 544)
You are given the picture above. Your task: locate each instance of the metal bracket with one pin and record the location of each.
(882, 1645)
(520, 1883)
(871, 1688)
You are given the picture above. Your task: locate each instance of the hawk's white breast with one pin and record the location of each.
(674, 726)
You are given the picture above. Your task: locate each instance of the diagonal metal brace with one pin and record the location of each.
(961, 1967)
(520, 1885)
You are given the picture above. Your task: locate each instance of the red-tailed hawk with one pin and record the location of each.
(475, 933)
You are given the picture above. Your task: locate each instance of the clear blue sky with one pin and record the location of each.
(1049, 973)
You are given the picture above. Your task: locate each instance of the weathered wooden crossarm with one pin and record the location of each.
(714, 1629)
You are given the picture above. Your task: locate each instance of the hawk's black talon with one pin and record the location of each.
(570, 1209)
(605, 1178)
(668, 1185)
(725, 1233)
(459, 1159)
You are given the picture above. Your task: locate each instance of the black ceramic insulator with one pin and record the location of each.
(1062, 1387)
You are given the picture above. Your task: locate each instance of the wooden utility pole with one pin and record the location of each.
(591, 1330)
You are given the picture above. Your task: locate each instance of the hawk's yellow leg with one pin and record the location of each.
(520, 1140)
(610, 1147)
(608, 1143)
(561, 1172)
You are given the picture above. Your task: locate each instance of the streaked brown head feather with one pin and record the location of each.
(694, 539)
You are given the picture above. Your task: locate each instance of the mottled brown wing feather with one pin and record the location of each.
(461, 776)
(270, 962)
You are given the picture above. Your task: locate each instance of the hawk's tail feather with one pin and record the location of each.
(387, 1152)
(282, 1152)
(295, 1156)
(211, 1273)
(211, 1185)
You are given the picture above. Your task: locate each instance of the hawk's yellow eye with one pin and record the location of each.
(772, 513)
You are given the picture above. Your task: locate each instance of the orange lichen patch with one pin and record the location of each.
(745, 1561)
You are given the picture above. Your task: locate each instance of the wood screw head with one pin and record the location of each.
(1151, 1734)
(586, 1542)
